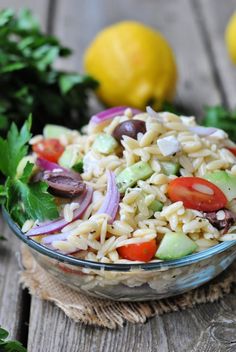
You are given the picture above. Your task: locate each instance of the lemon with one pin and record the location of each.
(134, 64)
(230, 37)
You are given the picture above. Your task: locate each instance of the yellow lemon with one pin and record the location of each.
(230, 37)
(134, 64)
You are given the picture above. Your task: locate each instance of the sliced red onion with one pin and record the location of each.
(48, 165)
(201, 130)
(56, 225)
(111, 202)
(111, 113)
(56, 237)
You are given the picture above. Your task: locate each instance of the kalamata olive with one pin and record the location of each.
(129, 128)
(64, 184)
(228, 218)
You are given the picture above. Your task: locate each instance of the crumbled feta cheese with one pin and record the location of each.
(168, 145)
(90, 162)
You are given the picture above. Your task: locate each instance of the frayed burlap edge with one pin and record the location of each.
(110, 314)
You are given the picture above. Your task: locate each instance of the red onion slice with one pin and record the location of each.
(111, 202)
(201, 130)
(85, 200)
(56, 237)
(111, 113)
(48, 165)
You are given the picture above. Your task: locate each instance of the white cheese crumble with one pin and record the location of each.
(90, 162)
(168, 145)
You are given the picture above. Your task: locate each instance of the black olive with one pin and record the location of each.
(67, 184)
(129, 128)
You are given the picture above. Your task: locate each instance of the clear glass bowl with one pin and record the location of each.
(131, 282)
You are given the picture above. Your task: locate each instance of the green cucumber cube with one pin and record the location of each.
(224, 181)
(170, 168)
(69, 157)
(105, 144)
(175, 245)
(132, 174)
(54, 131)
(156, 205)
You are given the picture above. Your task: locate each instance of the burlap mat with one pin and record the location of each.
(112, 314)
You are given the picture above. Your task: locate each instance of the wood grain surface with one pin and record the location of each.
(195, 29)
(13, 300)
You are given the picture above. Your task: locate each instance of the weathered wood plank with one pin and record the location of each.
(39, 8)
(11, 294)
(77, 22)
(207, 328)
(215, 15)
(212, 327)
(64, 335)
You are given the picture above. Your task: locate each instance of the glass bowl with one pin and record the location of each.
(131, 282)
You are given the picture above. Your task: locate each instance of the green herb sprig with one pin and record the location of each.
(22, 198)
(30, 83)
(9, 345)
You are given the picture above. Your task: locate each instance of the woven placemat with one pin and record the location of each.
(110, 314)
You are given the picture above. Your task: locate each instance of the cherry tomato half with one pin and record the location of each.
(139, 251)
(232, 150)
(49, 149)
(196, 193)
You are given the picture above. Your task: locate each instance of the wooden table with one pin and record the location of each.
(195, 29)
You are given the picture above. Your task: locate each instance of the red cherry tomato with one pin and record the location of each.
(232, 150)
(196, 193)
(139, 251)
(49, 149)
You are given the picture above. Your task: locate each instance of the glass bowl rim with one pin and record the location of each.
(158, 265)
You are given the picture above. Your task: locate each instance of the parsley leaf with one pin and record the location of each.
(23, 199)
(9, 345)
(38, 203)
(30, 81)
(14, 148)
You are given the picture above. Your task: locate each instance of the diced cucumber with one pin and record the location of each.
(105, 144)
(54, 131)
(175, 245)
(132, 174)
(224, 181)
(79, 167)
(70, 157)
(170, 168)
(156, 205)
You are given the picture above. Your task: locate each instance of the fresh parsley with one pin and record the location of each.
(14, 148)
(22, 198)
(9, 345)
(30, 83)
